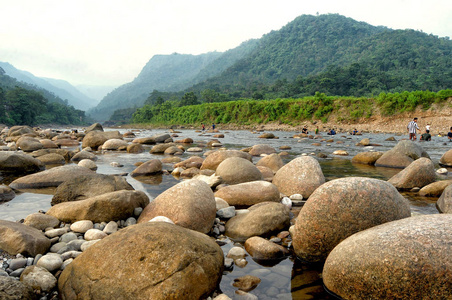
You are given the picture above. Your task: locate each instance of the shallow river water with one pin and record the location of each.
(286, 279)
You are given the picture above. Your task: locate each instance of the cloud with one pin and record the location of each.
(108, 42)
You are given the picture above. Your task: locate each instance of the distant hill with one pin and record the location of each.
(169, 73)
(23, 103)
(331, 54)
(96, 92)
(60, 88)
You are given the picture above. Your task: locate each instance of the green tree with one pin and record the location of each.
(189, 99)
(23, 106)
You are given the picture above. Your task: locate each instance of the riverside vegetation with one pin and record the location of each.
(289, 111)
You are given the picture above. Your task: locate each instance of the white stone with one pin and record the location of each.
(88, 163)
(56, 232)
(236, 252)
(94, 234)
(296, 197)
(442, 171)
(82, 226)
(287, 202)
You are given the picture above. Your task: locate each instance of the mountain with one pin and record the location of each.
(330, 54)
(96, 92)
(60, 88)
(169, 73)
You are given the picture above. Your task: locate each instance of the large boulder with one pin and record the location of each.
(262, 219)
(94, 127)
(6, 193)
(190, 204)
(87, 186)
(435, 189)
(262, 249)
(215, 158)
(235, 170)
(52, 159)
(118, 205)
(49, 178)
(144, 141)
(19, 163)
(67, 154)
(151, 167)
(444, 203)
(161, 138)
(418, 174)
(84, 155)
(41, 221)
(94, 139)
(272, 161)
(29, 144)
(367, 158)
(41, 280)
(19, 238)
(302, 176)
(163, 261)
(249, 193)
(115, 144)
(404, 259)
(21, 130)
(446, 159)
(342, 207)
(260, 149)
(12, 289)
(404, 153)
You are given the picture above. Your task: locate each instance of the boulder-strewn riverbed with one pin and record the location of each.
(185, 214)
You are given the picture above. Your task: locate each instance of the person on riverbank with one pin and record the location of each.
(305, 130)
(203, 127)
(332, 132)
(427, 127)
(213, 126)
(412, 127)
(317, 130)
(449, 135)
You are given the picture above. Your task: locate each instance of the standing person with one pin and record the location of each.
(449, 135)
(412, 127)
(427, 127)
(203, 127)
(213, 126)
(317, 130)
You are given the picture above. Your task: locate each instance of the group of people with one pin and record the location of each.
(426, 136)
(204, 126)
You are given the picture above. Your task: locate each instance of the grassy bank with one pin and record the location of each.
(292, 112)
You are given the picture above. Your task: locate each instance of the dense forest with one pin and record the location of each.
(25, 104)
(330, 54)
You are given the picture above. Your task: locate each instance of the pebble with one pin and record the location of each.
(94, 234)
(82, 226)
(51, 262)
(3, 272)
(137, 211)
(226, 213)
(111, 227)
(56, 247)
(130, 221)
(17, 263)
(16, 273)
(228, 262)
(236, 252)
(56, 232)
(161, 219)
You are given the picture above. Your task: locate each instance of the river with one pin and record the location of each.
(286, 279)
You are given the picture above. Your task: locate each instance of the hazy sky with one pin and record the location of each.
(108, 42)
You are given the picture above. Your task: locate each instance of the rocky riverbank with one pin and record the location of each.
(103, 239)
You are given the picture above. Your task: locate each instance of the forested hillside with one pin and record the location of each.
(60, 88)
(169, 73)
(25, 104)
(330, 54)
